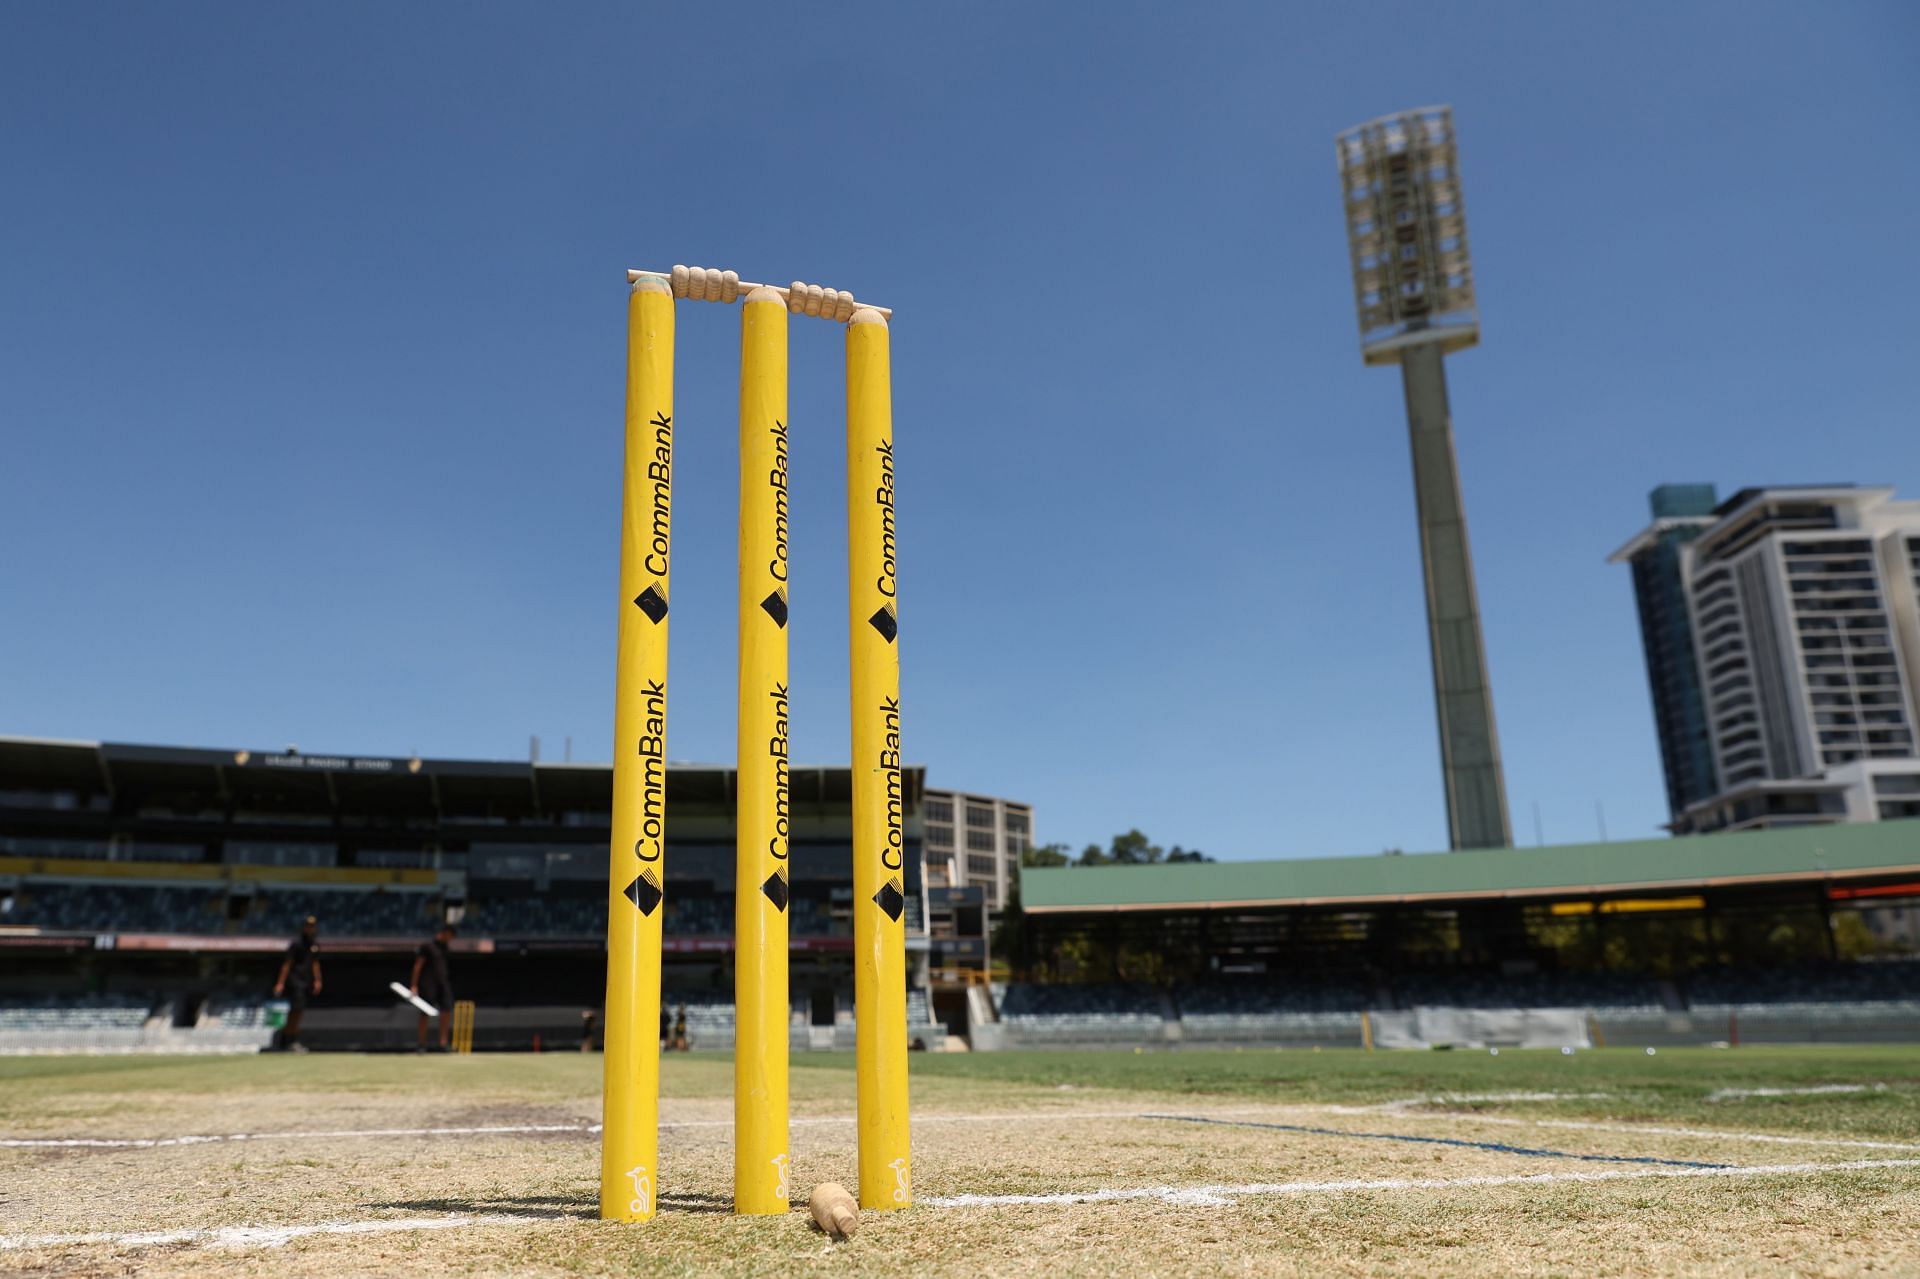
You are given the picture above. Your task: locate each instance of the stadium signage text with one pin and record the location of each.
(777, 481)
(653, 782)
(660, 474)
(332, 762)
(891, 855)
(777, 750)
(883, 498)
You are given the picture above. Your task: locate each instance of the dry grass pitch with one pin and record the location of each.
(1699, 1162)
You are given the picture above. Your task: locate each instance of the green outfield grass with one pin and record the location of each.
(1671, 1085)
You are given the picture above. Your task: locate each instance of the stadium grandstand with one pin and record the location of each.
(148, 893)
(1792, 935)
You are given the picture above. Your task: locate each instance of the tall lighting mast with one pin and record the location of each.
(1413, 287)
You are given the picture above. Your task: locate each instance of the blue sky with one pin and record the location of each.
(311, 343)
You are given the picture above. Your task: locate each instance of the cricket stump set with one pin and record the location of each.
(629, 1162)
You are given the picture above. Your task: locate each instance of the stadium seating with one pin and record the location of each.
(710, 1023)
(1832, 984)
(1260, 1010)
(102, 908)
(112, 908)
(535, 915)
(492, 909)
(919, 1011)
(1092, 1013)
(341, 914)
(97, 1023)
(1613, 991)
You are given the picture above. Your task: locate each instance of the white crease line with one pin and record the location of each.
(1475, 1098)
(1729, 1094)
(264, 1236)
(202, 1139)
(46, 1143)
(1632, 1130)
(1222, 1196)
(143, 1143)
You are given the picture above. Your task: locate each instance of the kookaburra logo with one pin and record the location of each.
(780, 1166)
(642, 1191)
(899, 1167)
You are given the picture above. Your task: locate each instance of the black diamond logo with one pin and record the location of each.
(645, 892)
(776, 890)
(652, 603)
(890, 900)
(883, 621)
(776, 606)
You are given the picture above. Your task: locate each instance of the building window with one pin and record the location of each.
(939, 836)
(1018, 823)
(939, 810)
(980, 815)
(979, 868)
(980, 841)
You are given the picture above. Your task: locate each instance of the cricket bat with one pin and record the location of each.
(413, 999)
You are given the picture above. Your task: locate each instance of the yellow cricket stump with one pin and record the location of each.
(760, 1151)
(463, 1026)
(636, 885)
(630, 1138)
(879, 840)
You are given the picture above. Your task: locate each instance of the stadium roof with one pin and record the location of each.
(279, 778)
(1804, 853)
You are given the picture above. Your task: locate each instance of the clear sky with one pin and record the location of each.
(312, 333)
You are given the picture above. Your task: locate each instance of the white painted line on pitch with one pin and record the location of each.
(241, 1237)
(1223, 1196)
(145, 1143)
(1817, 1090)
(202, 1139)
(1631, 1130)
(1478, 1098)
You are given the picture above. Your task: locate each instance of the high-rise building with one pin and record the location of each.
(1796, 660)
(1413, 290)
(975, 841)
(1680, 512)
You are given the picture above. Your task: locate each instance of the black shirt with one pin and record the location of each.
(300, 960)
(434, 951)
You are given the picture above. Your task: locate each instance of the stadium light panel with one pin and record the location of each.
(1407, 234)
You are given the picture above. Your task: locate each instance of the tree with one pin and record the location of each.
(1047, 855)
(1135, 849)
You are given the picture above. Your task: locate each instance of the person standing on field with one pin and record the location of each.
(432, 982)
(298, 980)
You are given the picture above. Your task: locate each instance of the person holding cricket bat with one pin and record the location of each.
(299, 978)
(431, 981)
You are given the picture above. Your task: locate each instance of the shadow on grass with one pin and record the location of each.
(558, 1207)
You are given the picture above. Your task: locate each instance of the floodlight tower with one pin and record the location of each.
(1413, 285)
